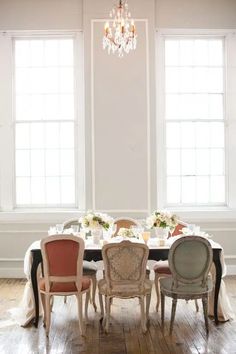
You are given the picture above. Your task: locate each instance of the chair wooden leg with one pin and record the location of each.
(157, 286)
(108, 309)
(143, 316)
(86, 305)
(173, 310)
(52, 302)
(44, 308)
(162, 309)
(80, 313)
(196, 305)
(101, 305)
(94, 281)
(205, 311)
(65, 299)
(148, 300)
(48, 313)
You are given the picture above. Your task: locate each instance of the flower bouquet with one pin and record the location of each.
(163, 222)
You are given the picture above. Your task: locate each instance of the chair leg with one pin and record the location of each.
(173, 310)
(143, 317)
(148, 300)
(48, 313)
(108, 309)
(101, 305)
(65, 299)
(44, 308)
(94, 281)
(52, 302)
(80, 313)
(162, 309)
(86, 305)
(205, 311)
(196, 305)
(157, 286)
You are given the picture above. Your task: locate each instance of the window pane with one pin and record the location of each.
(23, 191)
(188, 163)
(188, 190)
(52, 190)
(202, 190)
(217, 189)
(173, 135)
(195, 155)
(173, 190)
(203, 162)
(173, 162)
(44, 86)
(38, 190)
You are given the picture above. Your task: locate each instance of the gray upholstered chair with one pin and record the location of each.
(125, 277)
(162, 269)
(190, 259)
(89, 268)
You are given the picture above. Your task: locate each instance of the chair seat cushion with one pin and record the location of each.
(57, 287)
(126, 290)
(185, 289)
(89, 268)
(162, 267)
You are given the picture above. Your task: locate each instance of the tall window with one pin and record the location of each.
(44, 122)
(194, 116)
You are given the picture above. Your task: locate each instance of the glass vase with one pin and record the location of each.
(162, 233)
(96, 235)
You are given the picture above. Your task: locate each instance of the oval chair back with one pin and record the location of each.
(67, 224)
(125, 265)
(125, 222)
(190, 259)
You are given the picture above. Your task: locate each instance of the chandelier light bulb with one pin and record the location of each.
(120, 33)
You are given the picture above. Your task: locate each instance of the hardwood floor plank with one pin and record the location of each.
(125, 335)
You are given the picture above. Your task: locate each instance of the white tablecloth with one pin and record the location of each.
(25, 312)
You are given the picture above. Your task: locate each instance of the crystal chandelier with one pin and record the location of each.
(121, 37)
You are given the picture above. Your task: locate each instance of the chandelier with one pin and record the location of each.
(121, 36)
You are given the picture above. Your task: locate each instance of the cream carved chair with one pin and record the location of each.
(190, 259)
(63, 274)
(162, 269)
(128, 223)
(125, 277)
(89, 268)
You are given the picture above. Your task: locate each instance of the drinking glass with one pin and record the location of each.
(75, 229)
(59, 228)
(146, 236)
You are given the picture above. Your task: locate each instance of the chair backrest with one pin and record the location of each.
(125, 265)
(67, 224)
(178, 229)
(190, 259)
(62, 259)
(125, 222)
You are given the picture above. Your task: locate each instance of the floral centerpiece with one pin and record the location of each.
(162, 219)
(93, 220)
(124, 232)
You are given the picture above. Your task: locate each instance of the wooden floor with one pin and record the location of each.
(125, 335)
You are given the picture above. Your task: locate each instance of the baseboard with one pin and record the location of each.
(231, 269)
(12, 273)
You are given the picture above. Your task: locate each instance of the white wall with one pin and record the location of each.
(120, 113)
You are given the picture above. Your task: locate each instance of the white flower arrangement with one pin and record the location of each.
(163, 219)
(124, 232)
(93, 220)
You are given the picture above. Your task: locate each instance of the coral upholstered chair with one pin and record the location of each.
(162, 269)
(63, 273)
(89, 268)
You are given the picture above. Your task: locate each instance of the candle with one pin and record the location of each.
(146, 236)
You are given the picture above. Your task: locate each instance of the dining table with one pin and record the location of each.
(94, 253)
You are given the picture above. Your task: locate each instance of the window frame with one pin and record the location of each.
(161, 121)
(8, 199)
